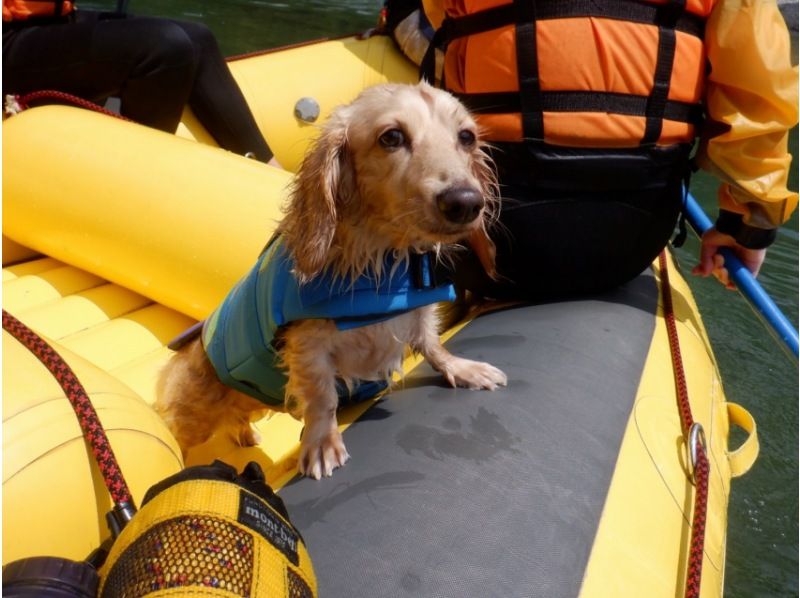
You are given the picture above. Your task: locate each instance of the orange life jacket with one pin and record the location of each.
(20, 10)
(578, 73)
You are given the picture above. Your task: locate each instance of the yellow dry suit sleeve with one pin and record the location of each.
(413, 33)
(751, 102)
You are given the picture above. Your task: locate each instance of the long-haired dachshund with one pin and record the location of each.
(395, 179)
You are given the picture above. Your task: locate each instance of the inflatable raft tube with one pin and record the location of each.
(571, 480)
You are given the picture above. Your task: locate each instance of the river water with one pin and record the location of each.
(763, 518)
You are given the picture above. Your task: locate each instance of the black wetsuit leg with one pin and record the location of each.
(155, 66)
(148, 63)
(217, 100)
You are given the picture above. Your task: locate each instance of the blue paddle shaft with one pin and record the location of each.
(769, 313)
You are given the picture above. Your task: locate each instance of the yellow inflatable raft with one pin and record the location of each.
(572, 481)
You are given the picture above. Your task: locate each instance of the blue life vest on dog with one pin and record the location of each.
(240, 336)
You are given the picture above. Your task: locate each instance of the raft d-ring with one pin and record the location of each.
(697, 437)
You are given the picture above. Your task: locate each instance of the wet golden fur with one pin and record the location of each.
(359, 196)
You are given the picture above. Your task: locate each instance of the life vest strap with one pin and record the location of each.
(530, 90)
(569, 170)
(667, 16)
(582, 101)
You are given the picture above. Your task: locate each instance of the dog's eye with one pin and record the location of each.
(466, 138)
(392, 139)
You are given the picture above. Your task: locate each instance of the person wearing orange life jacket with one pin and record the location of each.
(155, 66)
(593, 108)
(20, 10)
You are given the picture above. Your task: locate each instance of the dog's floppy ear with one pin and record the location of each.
(322, 186)
(480, 241)
(484, 248)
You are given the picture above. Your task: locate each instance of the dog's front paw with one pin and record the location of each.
(473, 374)
(320, 456)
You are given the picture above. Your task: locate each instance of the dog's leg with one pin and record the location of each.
(312, 384)
(321, 448)
(464, 372)
(190, 398)
(243, 411)
(458, 371)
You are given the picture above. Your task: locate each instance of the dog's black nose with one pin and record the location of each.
(460, 205)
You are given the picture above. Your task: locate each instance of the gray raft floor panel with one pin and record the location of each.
(456, 493)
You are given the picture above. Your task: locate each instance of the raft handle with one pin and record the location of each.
(741, 459)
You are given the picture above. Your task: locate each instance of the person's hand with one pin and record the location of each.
(712, 262)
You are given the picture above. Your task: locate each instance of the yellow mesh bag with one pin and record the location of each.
(208, 531)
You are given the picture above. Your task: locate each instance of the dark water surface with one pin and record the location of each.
(763, 519)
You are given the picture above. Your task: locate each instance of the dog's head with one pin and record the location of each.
(401, 168)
